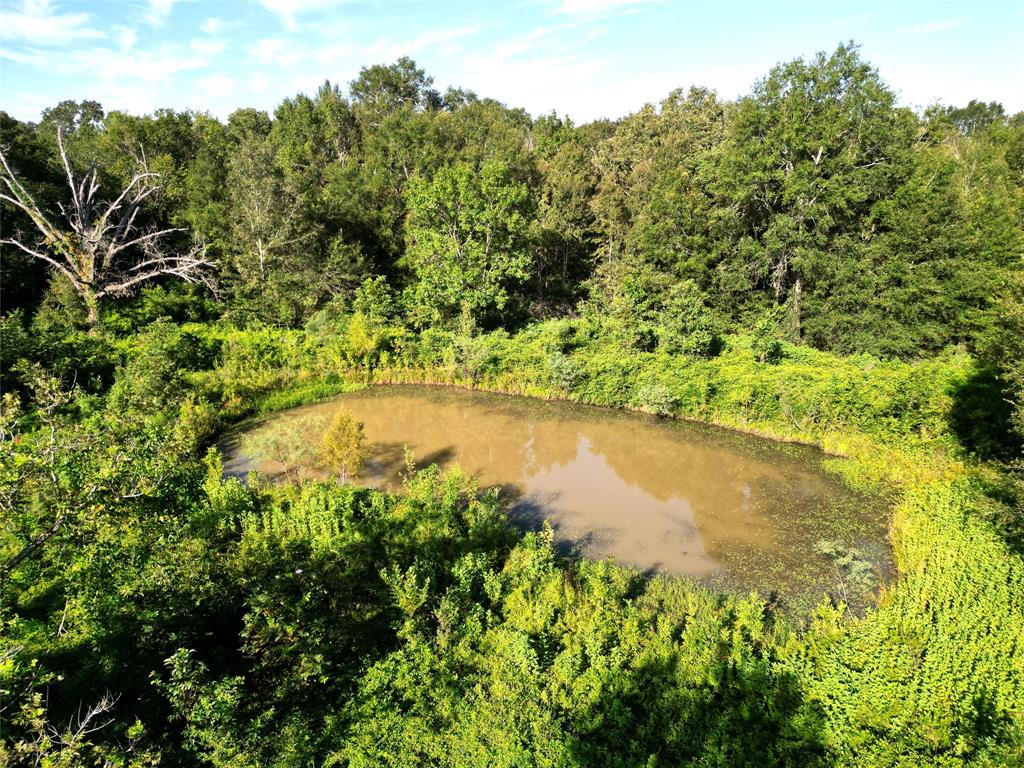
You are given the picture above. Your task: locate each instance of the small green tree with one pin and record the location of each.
(686, 325)
(766, 344)
(343, 448)
(364, 338)
(855, 575)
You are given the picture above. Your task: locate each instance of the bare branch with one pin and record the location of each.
(23, 200)
(142, 240)
(190, 267)
(103, 251)
(41, 254)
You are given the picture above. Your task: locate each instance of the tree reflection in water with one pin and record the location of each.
(660, 495)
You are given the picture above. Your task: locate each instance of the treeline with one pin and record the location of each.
(814, 204)
(685, 260)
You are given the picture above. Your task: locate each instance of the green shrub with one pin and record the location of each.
(766, 342)
(686, 325)
(657, 399)
(343, 446)
(293, 442)
(562, 371)
(153, 376)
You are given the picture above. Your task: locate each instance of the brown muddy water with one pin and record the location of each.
(726, 508)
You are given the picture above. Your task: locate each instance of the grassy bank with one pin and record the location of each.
(896, 416)
(295, 623)
(935, 674)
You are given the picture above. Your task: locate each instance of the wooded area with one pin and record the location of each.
(809, 262)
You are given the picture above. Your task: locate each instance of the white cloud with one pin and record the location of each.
(596, 8)
(331, 55)
(207, 47)
(259, 82)
(539, 39)
(935, 26)
(217, 85)
(211, 26)
(36, 22)
(158, 11)
(133, 98)
(288, 10)
(568, 84)
(441, 37)
(111, 67)
(917, 85)
(33, 58)
(265, 50)
(126, 37)
(555, 39)
(276, 50)
(30, 104)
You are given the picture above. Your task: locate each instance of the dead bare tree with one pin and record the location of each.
(103, 251)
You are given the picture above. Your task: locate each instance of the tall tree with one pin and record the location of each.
(267, 237)
(467, 242)
(653, 208)
(566, 234)
(385, 88)
(975, 115)
(73, 116)
(806, 156)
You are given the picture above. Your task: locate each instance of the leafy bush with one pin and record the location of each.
(294, 442)
(657, 399)
(154, 374)
(73, 356)
(434, 348)
(563, 372)
(687, 325)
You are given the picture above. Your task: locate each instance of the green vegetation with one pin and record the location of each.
(343, 447)
(809, 263)
(292, 444)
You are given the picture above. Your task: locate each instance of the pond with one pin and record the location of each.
(662, 495)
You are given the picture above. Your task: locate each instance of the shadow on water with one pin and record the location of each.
(529, 513)
(442, 457)
(386, 459)
(389, 461)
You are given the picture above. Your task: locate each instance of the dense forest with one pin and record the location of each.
(810, 262)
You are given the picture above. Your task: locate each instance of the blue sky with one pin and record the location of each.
(584, 58)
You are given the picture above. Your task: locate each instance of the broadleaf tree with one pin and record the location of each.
(467, 242)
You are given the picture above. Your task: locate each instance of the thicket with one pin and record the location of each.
(274, 625)
(809, 263)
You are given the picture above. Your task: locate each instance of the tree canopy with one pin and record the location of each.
(811, 262)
